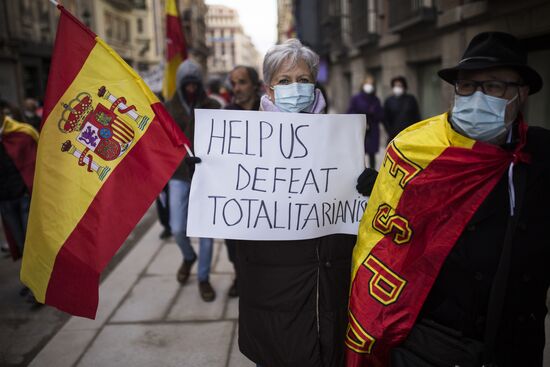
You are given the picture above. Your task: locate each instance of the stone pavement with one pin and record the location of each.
(145, 318)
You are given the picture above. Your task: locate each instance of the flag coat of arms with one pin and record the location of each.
(431, 182)
(107, 148)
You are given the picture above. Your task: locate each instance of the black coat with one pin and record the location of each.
(400, 113)
(459, 297)
(293, 300)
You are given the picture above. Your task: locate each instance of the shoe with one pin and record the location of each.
(166, 233)
(233, 290)
(208, 294)
(185, 270)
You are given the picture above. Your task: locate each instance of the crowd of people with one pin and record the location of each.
(293, 308)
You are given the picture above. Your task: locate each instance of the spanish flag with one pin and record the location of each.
(431, 182)
(106, 150)
(176, 49)
(19, 141)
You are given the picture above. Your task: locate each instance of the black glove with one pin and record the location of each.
(191, 161)
(366, 180)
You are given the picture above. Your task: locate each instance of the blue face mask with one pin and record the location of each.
(479, 116)
(294, 97)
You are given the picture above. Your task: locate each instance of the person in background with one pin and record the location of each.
(293, 294)
(400, 109)
(30, 115)
(214, 91)
(245, 84)
(366, 102)
(18, 144)
(190, 94)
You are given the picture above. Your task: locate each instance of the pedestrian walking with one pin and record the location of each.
(190, 94)
(366, 102)
(400, 109)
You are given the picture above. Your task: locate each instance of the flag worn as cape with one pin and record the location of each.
(19, 141)
(176, 49)
(106, 150)
(430, 184)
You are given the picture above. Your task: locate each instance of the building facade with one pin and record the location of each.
(27, 32)
(229, 44)
(193, 17)
(416, 38)
(285, 20)
(135, 29)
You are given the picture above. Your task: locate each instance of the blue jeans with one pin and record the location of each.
(178, 205)
(15, 214)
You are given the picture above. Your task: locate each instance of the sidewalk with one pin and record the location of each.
(145, 318)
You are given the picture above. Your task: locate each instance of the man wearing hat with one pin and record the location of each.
(454, 244)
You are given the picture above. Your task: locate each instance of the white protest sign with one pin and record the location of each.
(276, 176)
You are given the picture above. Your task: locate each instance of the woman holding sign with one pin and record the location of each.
(293, 305)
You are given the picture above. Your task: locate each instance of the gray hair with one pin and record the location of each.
(293, 50)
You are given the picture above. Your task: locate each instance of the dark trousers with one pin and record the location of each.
(163, 208)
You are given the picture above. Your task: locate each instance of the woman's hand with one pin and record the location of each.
(191, 161)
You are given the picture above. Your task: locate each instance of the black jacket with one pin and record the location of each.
(293, 300)
(459, 297)
(399, 113)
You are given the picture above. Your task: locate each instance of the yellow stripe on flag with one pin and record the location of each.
(171, 8)
(169, 83)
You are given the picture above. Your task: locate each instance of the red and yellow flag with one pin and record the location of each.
(106, 149)
(19, 141)
(176, 49)
(430, 184)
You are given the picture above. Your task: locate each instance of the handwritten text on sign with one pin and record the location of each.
(276, 176)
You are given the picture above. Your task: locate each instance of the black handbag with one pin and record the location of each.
(430, 344)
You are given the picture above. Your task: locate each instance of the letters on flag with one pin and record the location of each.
(431, 182)
(107, 147)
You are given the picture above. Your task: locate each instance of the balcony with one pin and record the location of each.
(124, 5)
(406, 13)
(363, 23)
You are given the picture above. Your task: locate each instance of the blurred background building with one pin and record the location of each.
(386, 38)
(230, 46)
(414, 38)
(135, 29)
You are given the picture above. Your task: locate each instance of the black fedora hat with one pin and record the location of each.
(494, 49)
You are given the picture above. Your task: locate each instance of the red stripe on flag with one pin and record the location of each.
(65, 65)
(112, 215)
(176, 40)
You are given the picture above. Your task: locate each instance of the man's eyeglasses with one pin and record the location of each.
(494, 88)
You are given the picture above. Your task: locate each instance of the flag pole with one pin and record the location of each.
(188, 150)
(54, 2)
